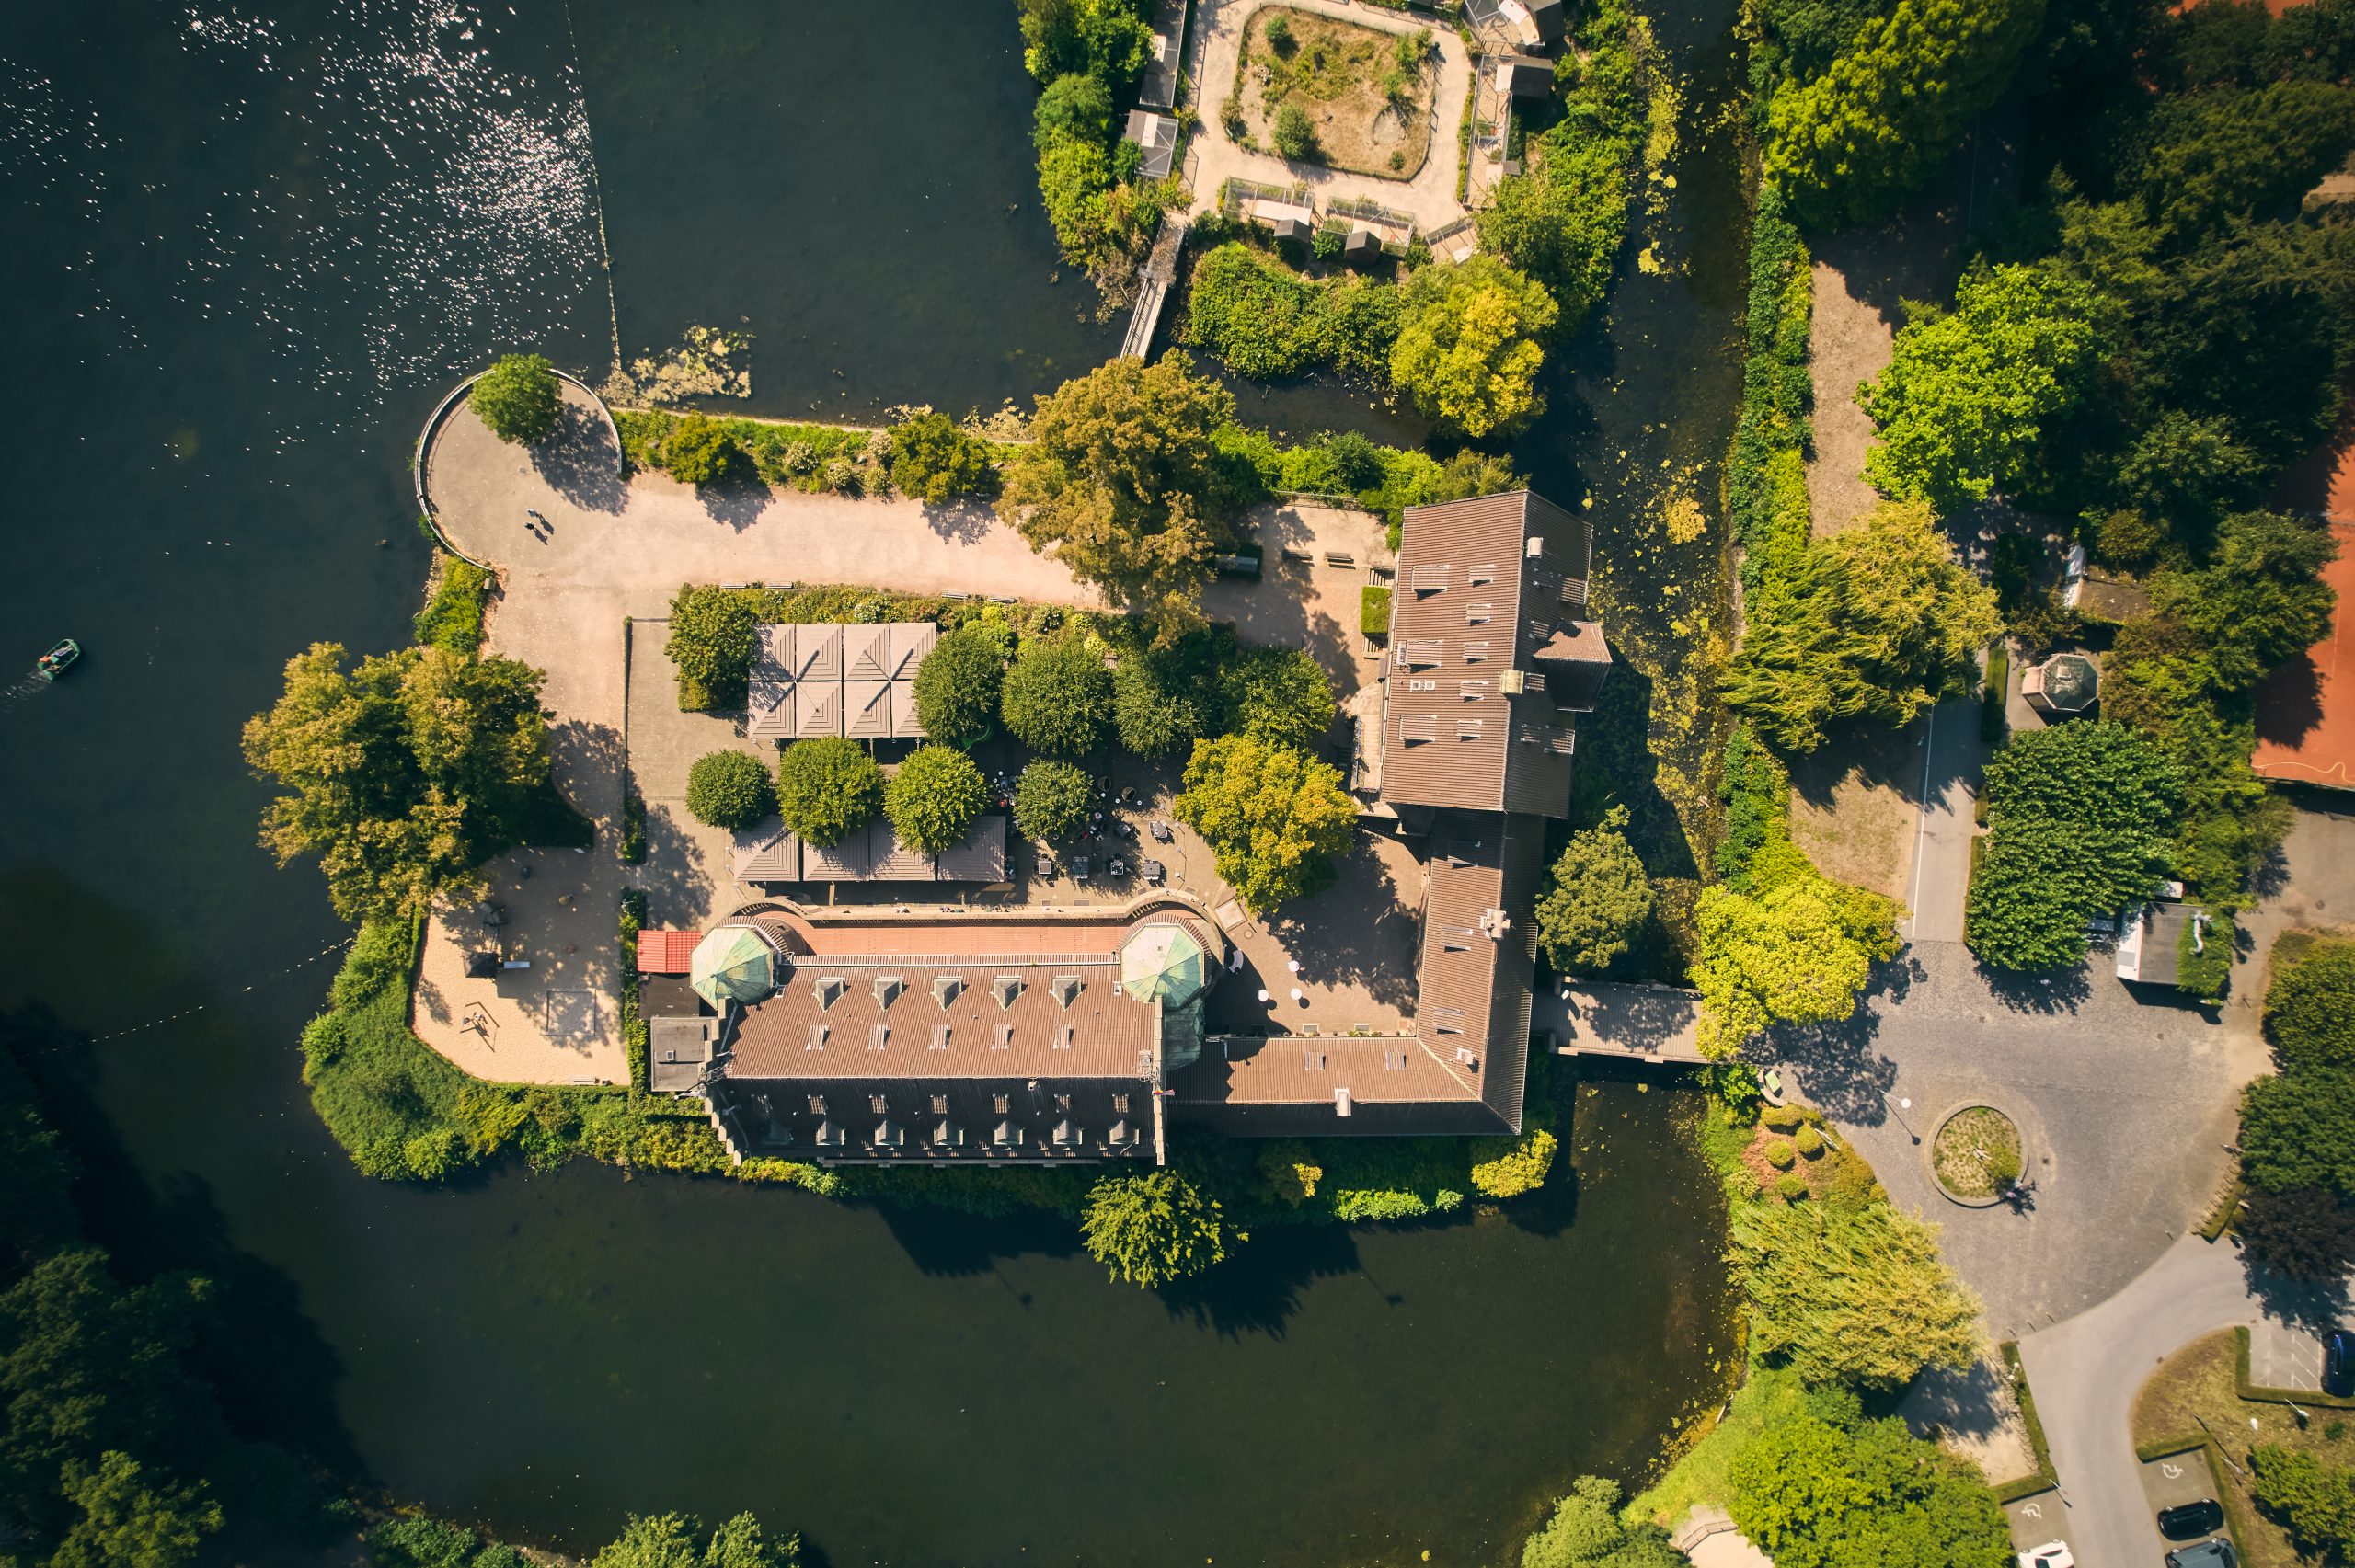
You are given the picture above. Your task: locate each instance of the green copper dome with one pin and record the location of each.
(1163, 964)
(733, 963)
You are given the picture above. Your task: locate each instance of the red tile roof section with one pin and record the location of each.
(2305, 710)
(666, 951)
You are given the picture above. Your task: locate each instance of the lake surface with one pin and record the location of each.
(252, 247)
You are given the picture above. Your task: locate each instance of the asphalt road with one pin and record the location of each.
(2086, 1373)
(1950, 772)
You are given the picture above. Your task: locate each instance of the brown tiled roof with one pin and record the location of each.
(979, 1120)
(766, 852)
(2305, 709)
(820, 679)
(666, 951)
(1482, 586)
(974, 1035)
(981, 856)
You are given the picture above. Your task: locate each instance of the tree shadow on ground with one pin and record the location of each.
(677, 875)
(1614, 751)
(961, 522)
(579, 462)
(737, 502)
(2315, 1306)
(2044, 993)
(1846, 1073)
(1882, 756)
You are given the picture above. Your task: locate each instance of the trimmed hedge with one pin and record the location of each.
(2044, 1477)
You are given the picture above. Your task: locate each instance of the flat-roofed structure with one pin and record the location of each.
(1490, 656)
(1157, 136)
(813, 680)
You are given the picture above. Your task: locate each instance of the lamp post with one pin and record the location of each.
(1898, 1109)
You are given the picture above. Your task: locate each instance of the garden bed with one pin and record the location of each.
(1366, 92)
(1975, 1154)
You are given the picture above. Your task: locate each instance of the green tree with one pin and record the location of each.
(2079, 820)
(402, 775)
(1152, 1229)
(728, 789)
(1798, 950)
(1058, 698)
(2304, 1232)
(1295, 133)
(1470, 474)
(668, 1540)
(2260, 600)
(2314, 1501)
(36, 1172)
(1156, 710)
(1586, 1531)
(711, 643)
(957, 686)
(1849, 145)
(131, 1520)
(2214, 157)
(1563, 220)
(1108, 40)
(2310, 1009)
(1273, 817)
(1052, 800)
(2298, 1130)
(935, 798)
(1468, 344)
(1073, 108)
(701, 451)
(1851, 1293)
(933, 460)
(1823, 1488)
(1117, 481)
(1280, 695)
(1962, 406)
(1878, 621)
(517, 398)
(827, 789)
(1596, 901)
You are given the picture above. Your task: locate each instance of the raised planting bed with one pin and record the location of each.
(1366, 92)
(1975, 1155)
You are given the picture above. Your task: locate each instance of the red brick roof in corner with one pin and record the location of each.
(666, 951)
(2305, 710)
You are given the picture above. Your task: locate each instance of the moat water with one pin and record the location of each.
(251, 245)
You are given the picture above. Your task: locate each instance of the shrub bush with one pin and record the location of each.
(1808, 1142)
(1783, 1118)
(1780, 1154)
(701, 451)
(517, 398)
(1280, 695)
(1295, 133)
(2310, 1009)
(933, 460)
(728, 789)
(1790, 1186)
(935, 798)
(452, 618)
(1052, 799)
(827, 787)
(957, 686)
(1520, 1165)
(1058, 698)
(711, 643)
(1152, 1229)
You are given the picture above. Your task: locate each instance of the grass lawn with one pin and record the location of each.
(1702, 1475)
(2197, 1384)
(1367, 93)
(1977, 1152)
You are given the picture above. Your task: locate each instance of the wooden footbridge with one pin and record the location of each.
(1154, 279)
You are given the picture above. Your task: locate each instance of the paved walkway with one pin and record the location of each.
(1949, 796)
(1430, 197)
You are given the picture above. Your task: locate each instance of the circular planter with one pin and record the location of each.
(1964, 1133)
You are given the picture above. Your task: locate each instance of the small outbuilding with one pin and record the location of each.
(2151, 940)
(1157, 135)
(1545, 16)
(1362, 245)
(1291, 231)
(2065, 686)
(1524, 77)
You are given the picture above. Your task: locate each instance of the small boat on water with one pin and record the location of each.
(59, 660)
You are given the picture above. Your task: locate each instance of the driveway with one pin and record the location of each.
(1950, 777)
(2125, 1107)
(1428, 197)
(2088, 1371)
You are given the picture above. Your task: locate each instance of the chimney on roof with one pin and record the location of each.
(1535, 550)
(1494, 923)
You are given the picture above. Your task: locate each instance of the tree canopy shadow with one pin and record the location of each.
(579, 462)
(2043, 992)
(963, 522)
(1259, 1285)
(738, 503)
(952, 1243)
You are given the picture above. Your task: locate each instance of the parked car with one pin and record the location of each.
(2186, 1521)
(2339, 1363)
(2216, 1553)
(2051, 1554)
